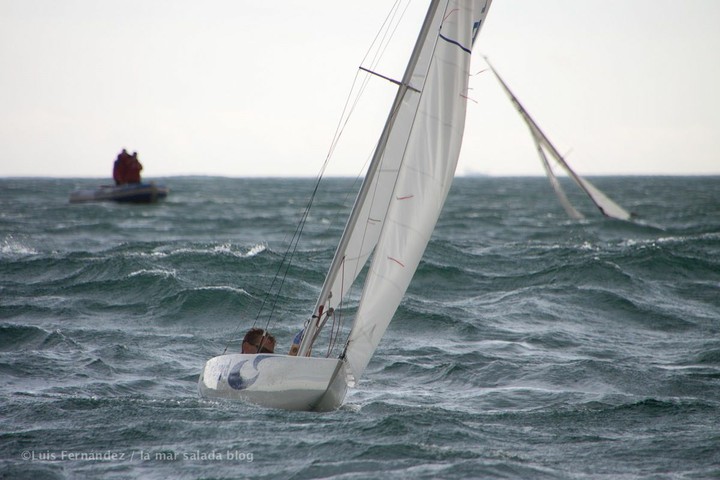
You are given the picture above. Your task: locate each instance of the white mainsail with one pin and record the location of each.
(393, 218)
(608, 207)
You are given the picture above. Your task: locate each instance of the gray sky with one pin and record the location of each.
(240, 88)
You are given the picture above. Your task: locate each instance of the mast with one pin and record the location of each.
(317, 321)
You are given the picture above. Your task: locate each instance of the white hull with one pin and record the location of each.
(276, 381)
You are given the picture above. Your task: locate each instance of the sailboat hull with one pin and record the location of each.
(276, 381)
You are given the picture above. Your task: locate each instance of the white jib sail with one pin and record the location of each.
(421, 153)
(608, 207)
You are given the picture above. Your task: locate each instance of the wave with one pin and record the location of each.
(16, 337)
(189, 251)
(13, 248)
(204, 305)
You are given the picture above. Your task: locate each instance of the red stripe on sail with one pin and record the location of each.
(396, 261)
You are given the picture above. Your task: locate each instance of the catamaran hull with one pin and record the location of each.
(276, 381)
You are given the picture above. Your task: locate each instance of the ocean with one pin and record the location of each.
(528, 346)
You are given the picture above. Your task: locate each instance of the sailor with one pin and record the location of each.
(258, 340)
(132, 174)
(120, 167)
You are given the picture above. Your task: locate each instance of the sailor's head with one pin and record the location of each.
(258, 340)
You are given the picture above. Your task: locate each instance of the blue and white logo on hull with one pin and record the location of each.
(240, 381)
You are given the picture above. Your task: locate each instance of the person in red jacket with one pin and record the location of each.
(132, 174)
(126, 168)
(119, 167)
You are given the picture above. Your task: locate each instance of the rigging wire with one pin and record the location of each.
(379, 46)
(337, 320)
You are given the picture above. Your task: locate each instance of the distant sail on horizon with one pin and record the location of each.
(606, 206)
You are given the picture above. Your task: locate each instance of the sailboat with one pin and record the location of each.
(392, 219)
(607, 206)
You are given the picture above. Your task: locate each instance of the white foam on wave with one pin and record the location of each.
(155, 272)
(12, 247)
(224, 288)
(228, 248)
(257, 249)
(223, 249)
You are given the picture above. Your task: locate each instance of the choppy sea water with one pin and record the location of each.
(528, 345)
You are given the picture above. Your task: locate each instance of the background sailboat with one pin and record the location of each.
(393, 218)
(608, 207)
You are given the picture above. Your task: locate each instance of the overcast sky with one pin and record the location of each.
(241, 88)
